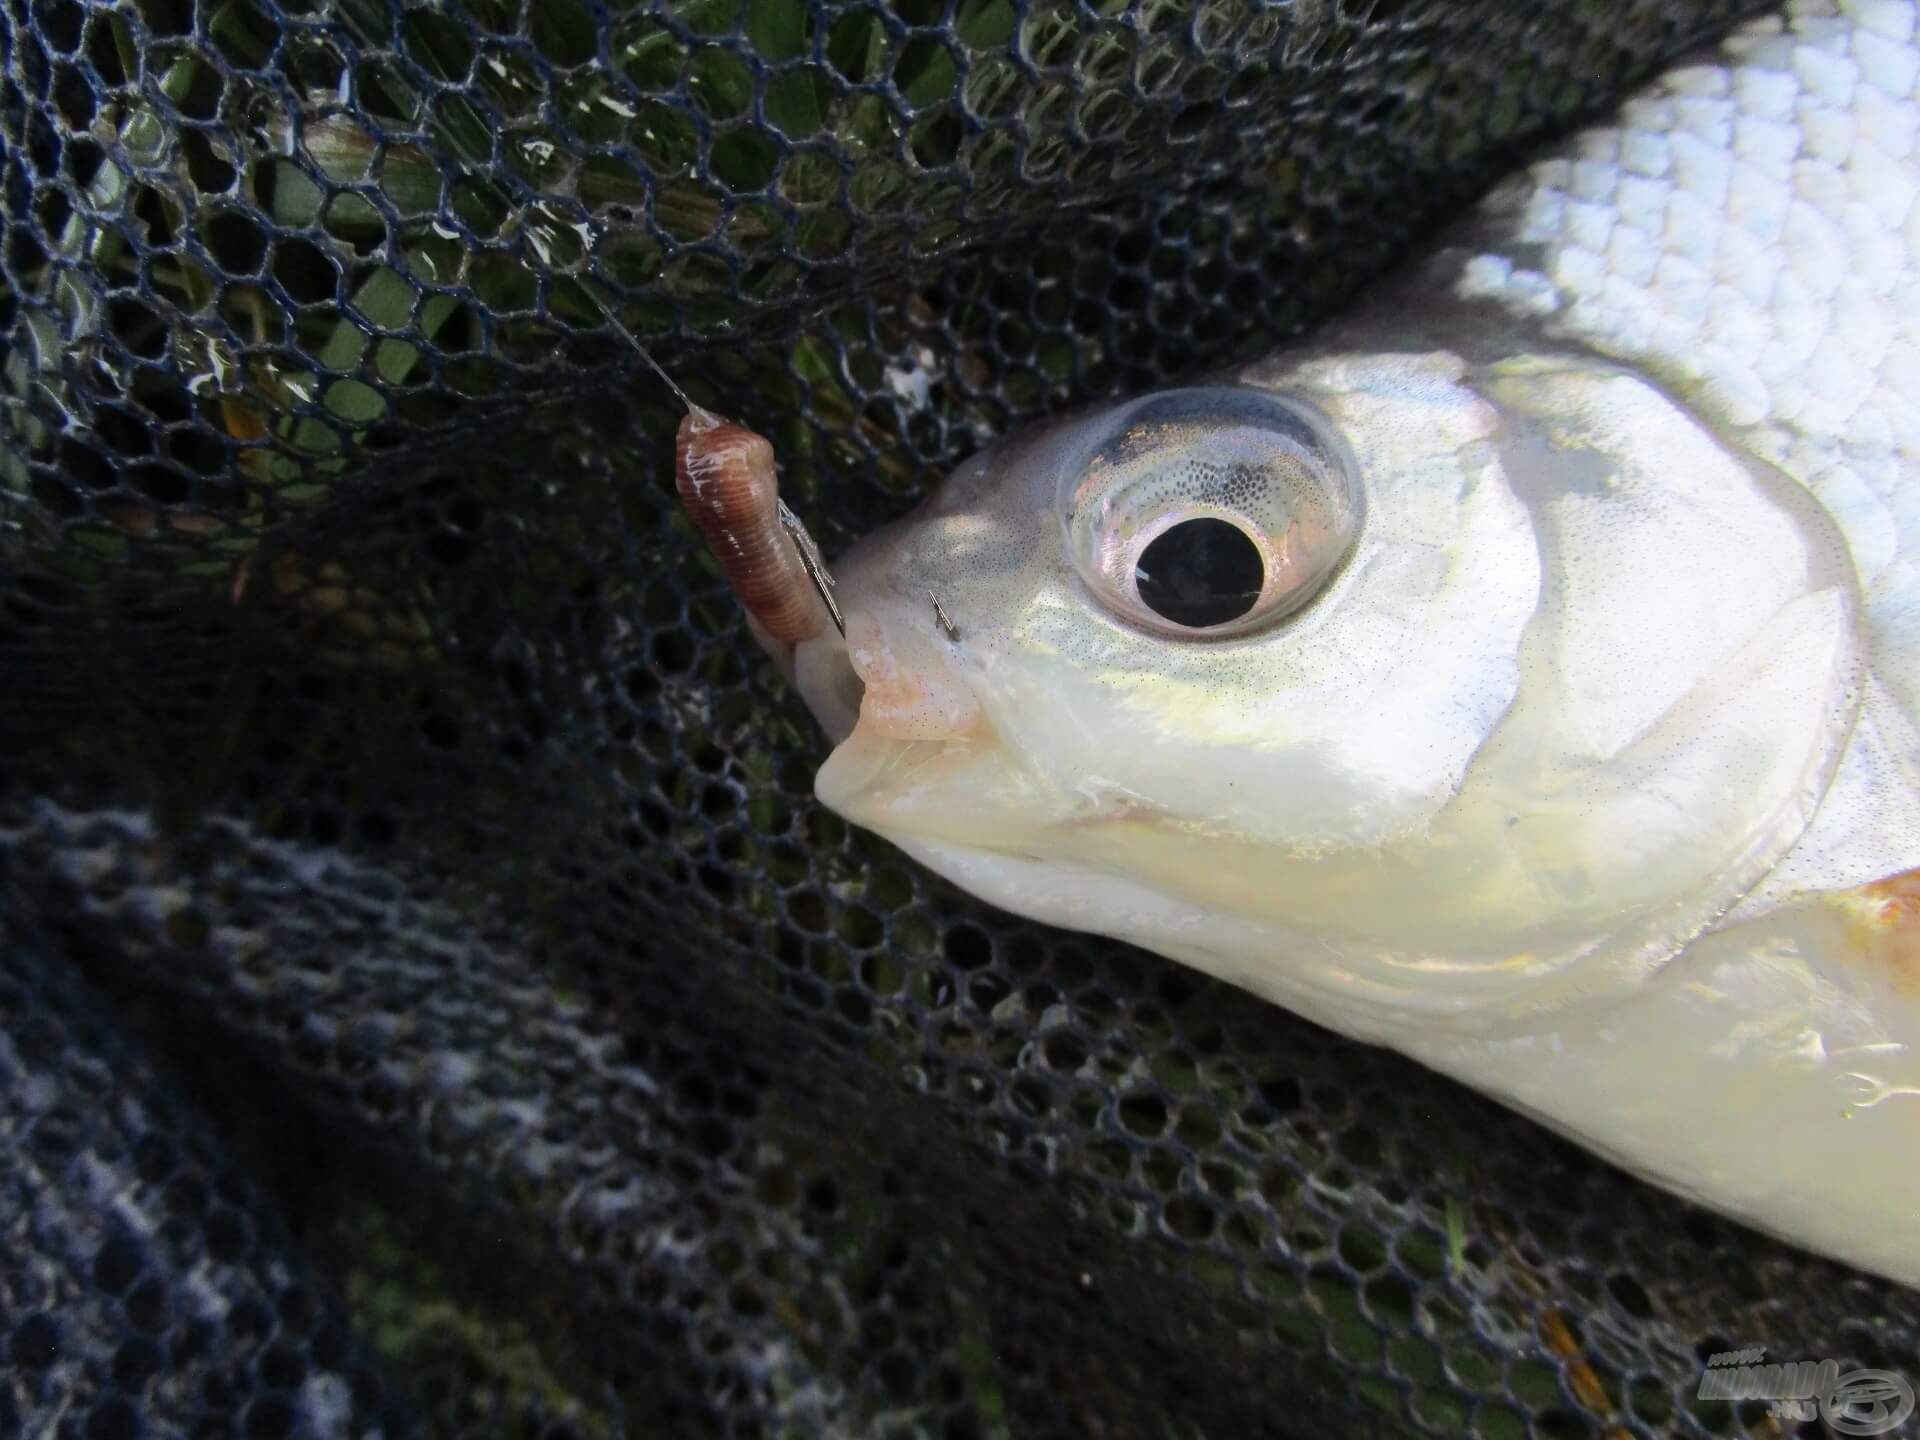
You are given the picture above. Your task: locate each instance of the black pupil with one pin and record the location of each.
(1200, 572)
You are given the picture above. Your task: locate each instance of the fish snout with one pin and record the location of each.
(914, 676)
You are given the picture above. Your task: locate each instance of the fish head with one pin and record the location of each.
(1397, 687)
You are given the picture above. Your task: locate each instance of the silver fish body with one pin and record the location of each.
(1522, 674)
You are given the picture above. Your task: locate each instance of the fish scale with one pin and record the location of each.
(1749, 236)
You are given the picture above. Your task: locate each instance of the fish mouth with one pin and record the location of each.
(892, 678)
(915, 750)
(956, 786)
(913, 686)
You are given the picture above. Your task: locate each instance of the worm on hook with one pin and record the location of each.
(725, 476)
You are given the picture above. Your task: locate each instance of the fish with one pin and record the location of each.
(1521, 671)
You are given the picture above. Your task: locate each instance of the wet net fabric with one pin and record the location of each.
(144, 1276)
(430, 1002)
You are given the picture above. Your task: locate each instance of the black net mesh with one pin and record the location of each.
(143, 1276)
(379, 740)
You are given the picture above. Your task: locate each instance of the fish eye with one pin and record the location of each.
(1210, 512)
